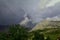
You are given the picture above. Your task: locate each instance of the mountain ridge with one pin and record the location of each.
(46, 24)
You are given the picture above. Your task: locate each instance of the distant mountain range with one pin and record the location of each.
(46, 23)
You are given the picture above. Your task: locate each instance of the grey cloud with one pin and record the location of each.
(8, 16)
(12, 11)
(52, 11)
(47, 12)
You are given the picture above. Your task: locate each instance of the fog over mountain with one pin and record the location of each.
(13, 11)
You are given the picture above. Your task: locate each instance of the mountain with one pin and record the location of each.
(27, 22)
(46, 24)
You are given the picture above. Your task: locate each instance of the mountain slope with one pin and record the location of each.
(46, 24)
(27, 22)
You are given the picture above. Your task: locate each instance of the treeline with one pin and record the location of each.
(18, 32)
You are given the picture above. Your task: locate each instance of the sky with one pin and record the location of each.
(13, 11)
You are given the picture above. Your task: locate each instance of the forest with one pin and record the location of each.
(18, 32)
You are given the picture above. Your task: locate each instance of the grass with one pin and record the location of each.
(53, 33)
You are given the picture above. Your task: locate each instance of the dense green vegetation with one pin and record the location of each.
(17, 32)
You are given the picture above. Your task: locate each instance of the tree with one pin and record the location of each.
(38, 36)
(18, 32)
(48, 38)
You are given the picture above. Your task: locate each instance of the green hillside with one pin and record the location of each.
(50, 29)
(18, 32)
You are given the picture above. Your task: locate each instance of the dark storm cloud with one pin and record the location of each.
(12, 11)
(10, 14)
(9, 17)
